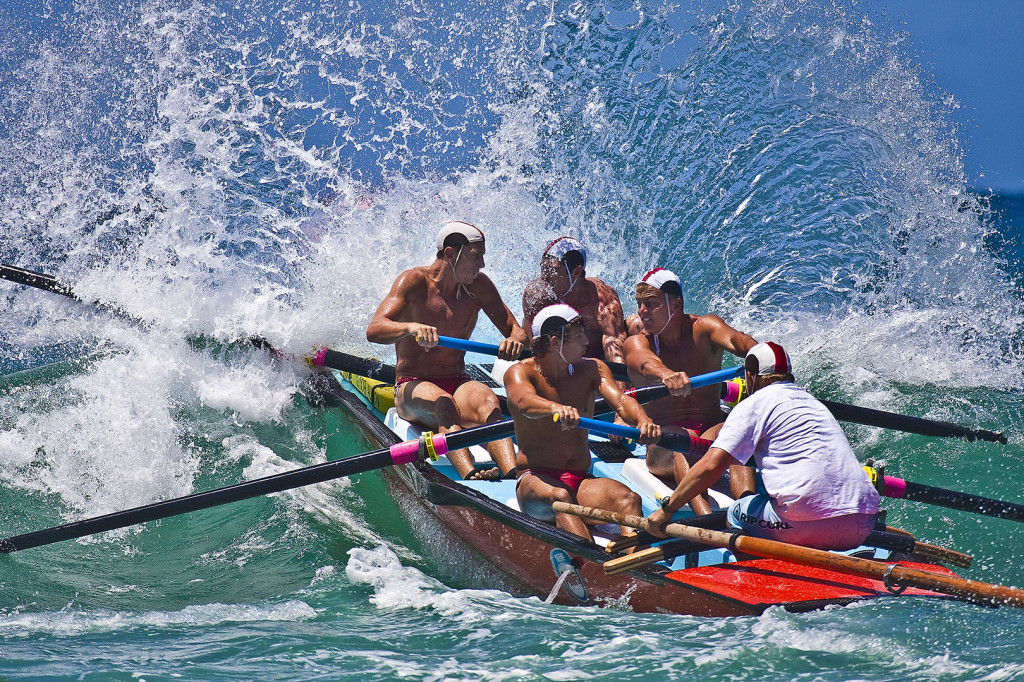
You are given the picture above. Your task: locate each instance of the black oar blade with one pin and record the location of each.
(366, 367)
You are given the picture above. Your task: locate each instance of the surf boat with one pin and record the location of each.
(479, 524)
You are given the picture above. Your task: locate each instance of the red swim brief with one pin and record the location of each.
(573, 479)
(446, 384)
(694, 425)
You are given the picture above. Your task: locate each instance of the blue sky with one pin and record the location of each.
(974, 50)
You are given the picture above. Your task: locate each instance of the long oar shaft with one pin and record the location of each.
(893, 575)
(365, 367)
(900, 422)
(680, 442)
(38, 280)
(952, 499)
(400, 453)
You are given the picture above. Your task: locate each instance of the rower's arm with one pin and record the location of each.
(698, 479)
(386, 326)
(626, 406)
(502, 317)
(611, 321)
(727, 338)
(524, 399)
(643, 365)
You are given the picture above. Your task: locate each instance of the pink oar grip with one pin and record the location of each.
(409, 451)
(318, 359)
(732, 392)
(894, 487)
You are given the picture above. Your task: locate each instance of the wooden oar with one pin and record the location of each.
(400, 453)
(667, 551)
(899, 488)
(378, 370)
(933, 553)
(893, 576)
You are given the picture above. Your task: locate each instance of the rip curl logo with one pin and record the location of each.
(761, 523)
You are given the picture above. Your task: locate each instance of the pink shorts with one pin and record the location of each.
(446, 384)
(573, 479)
(693, 425)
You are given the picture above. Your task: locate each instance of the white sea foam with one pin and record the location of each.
(397, 586)
(70, 622)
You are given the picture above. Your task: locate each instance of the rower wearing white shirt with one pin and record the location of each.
(815, 492)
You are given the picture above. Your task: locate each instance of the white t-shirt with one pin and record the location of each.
(806, 463)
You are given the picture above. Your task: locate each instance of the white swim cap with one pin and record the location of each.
(563, 245)
(552, 318)
(664, 280)
(472, 233)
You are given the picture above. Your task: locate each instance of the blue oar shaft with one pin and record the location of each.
(675, 441)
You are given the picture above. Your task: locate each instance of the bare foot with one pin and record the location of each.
(491, 474)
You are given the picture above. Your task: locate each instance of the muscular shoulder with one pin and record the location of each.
(412, 279)
(536, 295)
(521, 376)
(604, 291)
(485, 290)
(709, 324)
(636, 343)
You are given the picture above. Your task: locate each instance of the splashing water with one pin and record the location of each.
(221, 170)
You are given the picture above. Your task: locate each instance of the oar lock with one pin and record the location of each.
(876, 474)
(426, 447)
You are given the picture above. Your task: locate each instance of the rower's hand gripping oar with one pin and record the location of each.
(898, 488)
(427, 446)
(680, 442)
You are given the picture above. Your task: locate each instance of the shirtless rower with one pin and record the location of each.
(444, 298)
(563, 279)
(673, 346)
(815, 493)
(554, 458)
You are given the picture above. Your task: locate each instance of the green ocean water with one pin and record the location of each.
(222, 170)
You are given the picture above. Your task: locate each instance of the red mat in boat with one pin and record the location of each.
(770, 581)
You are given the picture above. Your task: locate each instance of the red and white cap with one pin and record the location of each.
(563, 245)
(767, 358)
(551, 318)
(664, 280)
(472, 233)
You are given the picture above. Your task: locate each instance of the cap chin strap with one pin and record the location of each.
(568, 364)
(572, 283)
(462, 287)
(657, 343)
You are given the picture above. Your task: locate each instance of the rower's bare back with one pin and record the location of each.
(544, 443)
